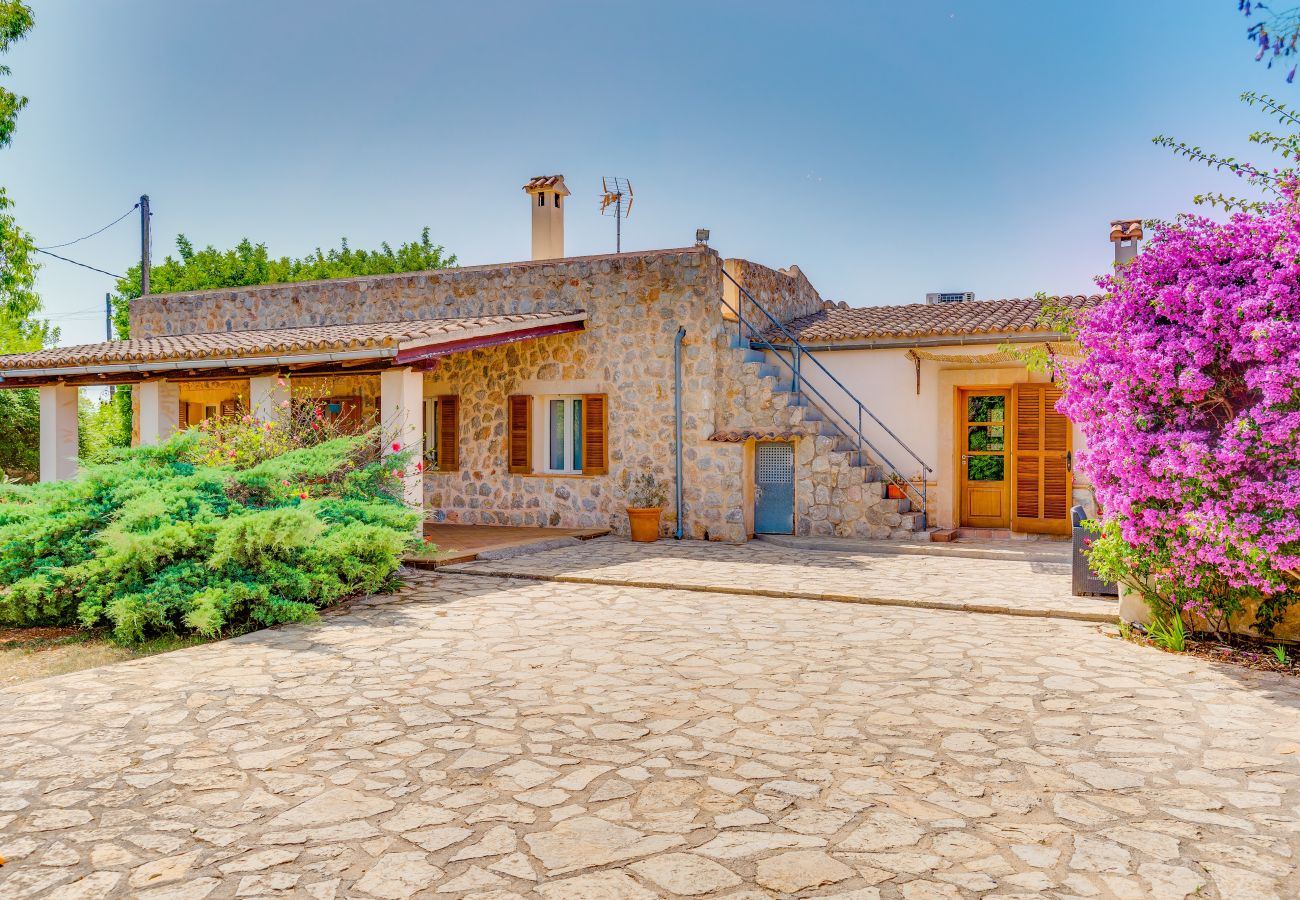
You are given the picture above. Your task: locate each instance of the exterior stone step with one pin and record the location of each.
(767, 370)
(752, 355)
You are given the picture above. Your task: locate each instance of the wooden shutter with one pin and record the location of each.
(595, 434)
(1040, 455)
(449, 433)
(184, 418)
(519, 428)
(230, 408)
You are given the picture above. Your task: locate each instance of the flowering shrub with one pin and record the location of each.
(218, 530)
(1188, 394)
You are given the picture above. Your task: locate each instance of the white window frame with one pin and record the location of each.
(431, 430)
(572, 439)
(212, 411)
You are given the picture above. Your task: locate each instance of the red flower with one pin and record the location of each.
(396, 447)
(419, 467)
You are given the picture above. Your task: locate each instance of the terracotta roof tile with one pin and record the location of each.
(1126, 230)
(309, 339)
(924, 320)
(545, 183)
(740, 435)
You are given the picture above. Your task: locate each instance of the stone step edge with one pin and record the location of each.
(1038, 613)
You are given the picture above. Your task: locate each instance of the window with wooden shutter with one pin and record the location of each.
(595, 434)
(519, 434)
(230, 408)
(449, 433)
(1041, 461)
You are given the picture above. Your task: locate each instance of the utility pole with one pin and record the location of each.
(108, 328)
(144, 245)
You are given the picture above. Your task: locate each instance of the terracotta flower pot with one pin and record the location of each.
(894, 492)
(645, 523)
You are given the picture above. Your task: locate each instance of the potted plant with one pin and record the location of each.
(894, 487)
(646, 497)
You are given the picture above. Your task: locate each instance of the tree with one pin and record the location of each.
(248, 264)
(1188, 393)
(20, 329)
(15, 21)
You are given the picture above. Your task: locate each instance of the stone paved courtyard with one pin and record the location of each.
(491, 738)
(1038, 584)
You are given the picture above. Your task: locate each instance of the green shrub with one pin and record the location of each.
(171, 539)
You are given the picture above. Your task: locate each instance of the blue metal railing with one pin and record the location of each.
(799, 354)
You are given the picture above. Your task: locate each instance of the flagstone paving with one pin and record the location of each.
(1036, 585)
(489, 738)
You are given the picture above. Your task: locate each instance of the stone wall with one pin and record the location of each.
(785, 293)
(635, 304)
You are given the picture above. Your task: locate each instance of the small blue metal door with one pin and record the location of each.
(774, 488)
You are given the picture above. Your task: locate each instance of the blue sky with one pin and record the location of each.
(887, 148)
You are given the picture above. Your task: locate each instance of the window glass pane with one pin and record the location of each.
(985, 437)
(986, 409)
(556, 432)
(985, 468)
(577, 435)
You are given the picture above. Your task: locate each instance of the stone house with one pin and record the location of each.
(537, 389)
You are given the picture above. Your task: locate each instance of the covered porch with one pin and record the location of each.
(364, 374)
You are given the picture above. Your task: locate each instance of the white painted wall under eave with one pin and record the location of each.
(885, 381)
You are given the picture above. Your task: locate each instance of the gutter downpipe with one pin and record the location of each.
(677, 425)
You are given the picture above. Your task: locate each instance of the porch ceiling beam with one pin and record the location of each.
(426, 357)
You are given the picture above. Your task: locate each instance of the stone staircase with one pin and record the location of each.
(839, 490)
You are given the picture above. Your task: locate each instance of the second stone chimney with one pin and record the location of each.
(1126, 234)
(546, 193)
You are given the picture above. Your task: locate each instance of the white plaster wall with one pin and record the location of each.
(885, 381)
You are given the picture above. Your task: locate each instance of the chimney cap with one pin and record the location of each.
(1126, 230)
(539, 183)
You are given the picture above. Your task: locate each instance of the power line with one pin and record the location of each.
(93, 233)
(82, 264)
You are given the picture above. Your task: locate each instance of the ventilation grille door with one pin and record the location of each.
(774, 488)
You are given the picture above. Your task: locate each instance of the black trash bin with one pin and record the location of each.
(1083, 581)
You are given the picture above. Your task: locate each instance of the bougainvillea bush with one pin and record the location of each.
(1188, 393)
(223, 528)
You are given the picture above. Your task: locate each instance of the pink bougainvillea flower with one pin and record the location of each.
(1187, 392)
(397, 473)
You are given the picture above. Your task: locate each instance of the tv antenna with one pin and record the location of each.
(616, 200)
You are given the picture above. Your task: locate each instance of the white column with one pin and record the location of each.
(267, 395)
(58, 432)
(401, 415)
(160, 410)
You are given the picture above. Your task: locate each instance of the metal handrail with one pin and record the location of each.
(798, 352)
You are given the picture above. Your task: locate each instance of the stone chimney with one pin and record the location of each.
(545, 193)
(1126, 234)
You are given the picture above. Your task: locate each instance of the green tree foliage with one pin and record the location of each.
(161, 540)
(20, 329)
(15, 21)
(248, 264)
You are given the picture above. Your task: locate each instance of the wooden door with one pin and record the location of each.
(1040, 461)
(984, 490)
